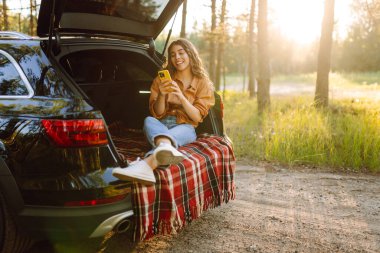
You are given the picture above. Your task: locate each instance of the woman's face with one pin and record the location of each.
(179, 58)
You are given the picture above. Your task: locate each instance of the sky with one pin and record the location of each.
(299, 20)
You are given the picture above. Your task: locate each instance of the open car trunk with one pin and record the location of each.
(117, 81)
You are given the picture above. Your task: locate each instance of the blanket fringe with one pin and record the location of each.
(173, 226)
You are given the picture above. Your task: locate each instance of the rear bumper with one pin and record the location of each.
(72, 223)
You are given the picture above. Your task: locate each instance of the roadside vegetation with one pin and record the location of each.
(364, 80)
(345, 135)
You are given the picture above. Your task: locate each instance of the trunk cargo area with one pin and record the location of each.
(117, 82)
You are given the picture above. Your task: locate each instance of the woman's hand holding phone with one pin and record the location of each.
(168, 86)
(167, 83)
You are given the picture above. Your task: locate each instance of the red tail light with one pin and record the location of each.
(95, 202)
(76, 133)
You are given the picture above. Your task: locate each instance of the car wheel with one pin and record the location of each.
(11, 241)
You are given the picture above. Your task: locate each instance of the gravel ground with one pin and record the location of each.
(276, 210)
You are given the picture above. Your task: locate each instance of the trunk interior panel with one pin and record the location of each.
(118, 83)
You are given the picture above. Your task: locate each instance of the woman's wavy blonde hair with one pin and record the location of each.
(196, 64)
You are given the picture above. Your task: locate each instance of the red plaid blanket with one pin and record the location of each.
(205, 179)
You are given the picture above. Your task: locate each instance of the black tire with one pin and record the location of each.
(11, 240)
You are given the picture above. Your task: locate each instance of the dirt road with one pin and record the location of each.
(277, 210)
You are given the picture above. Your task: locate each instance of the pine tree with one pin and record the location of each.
(263, 80)
(251, 56)
(212, 62)
(184, 14)
(5, 16)
(221, 45)
(321, 98)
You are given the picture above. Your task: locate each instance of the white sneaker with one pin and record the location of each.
(166, 154)
(139, 171)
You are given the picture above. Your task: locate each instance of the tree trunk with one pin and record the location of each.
(212, 66)
(184, 14)
(321, 98)
(31, 23)
(5, 15)
(263, 80)
(35, 16)
(251, 54)
(35, 8)
(224, 81)
(221, 41)
(19, 22)
(245, 68)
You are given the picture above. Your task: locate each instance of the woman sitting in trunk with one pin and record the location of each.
(177, 106)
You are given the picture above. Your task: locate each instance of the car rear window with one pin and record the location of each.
(42, 76)
(11, 83)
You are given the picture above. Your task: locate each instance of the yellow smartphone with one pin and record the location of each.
(164, 75)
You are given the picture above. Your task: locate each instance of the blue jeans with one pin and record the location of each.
(179, 134)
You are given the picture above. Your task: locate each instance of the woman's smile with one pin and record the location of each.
(179, 58)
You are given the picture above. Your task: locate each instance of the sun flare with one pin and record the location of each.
(298, 20)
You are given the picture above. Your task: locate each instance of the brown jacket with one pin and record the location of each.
(200, 93)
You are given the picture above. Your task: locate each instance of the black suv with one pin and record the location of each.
(92, 66)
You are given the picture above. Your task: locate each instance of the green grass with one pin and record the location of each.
(363, 81)
(345, 135)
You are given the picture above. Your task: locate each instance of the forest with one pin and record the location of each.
(358, 51)
(250, 60)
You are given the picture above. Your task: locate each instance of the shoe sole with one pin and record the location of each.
(165, 157)
(124, 177)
